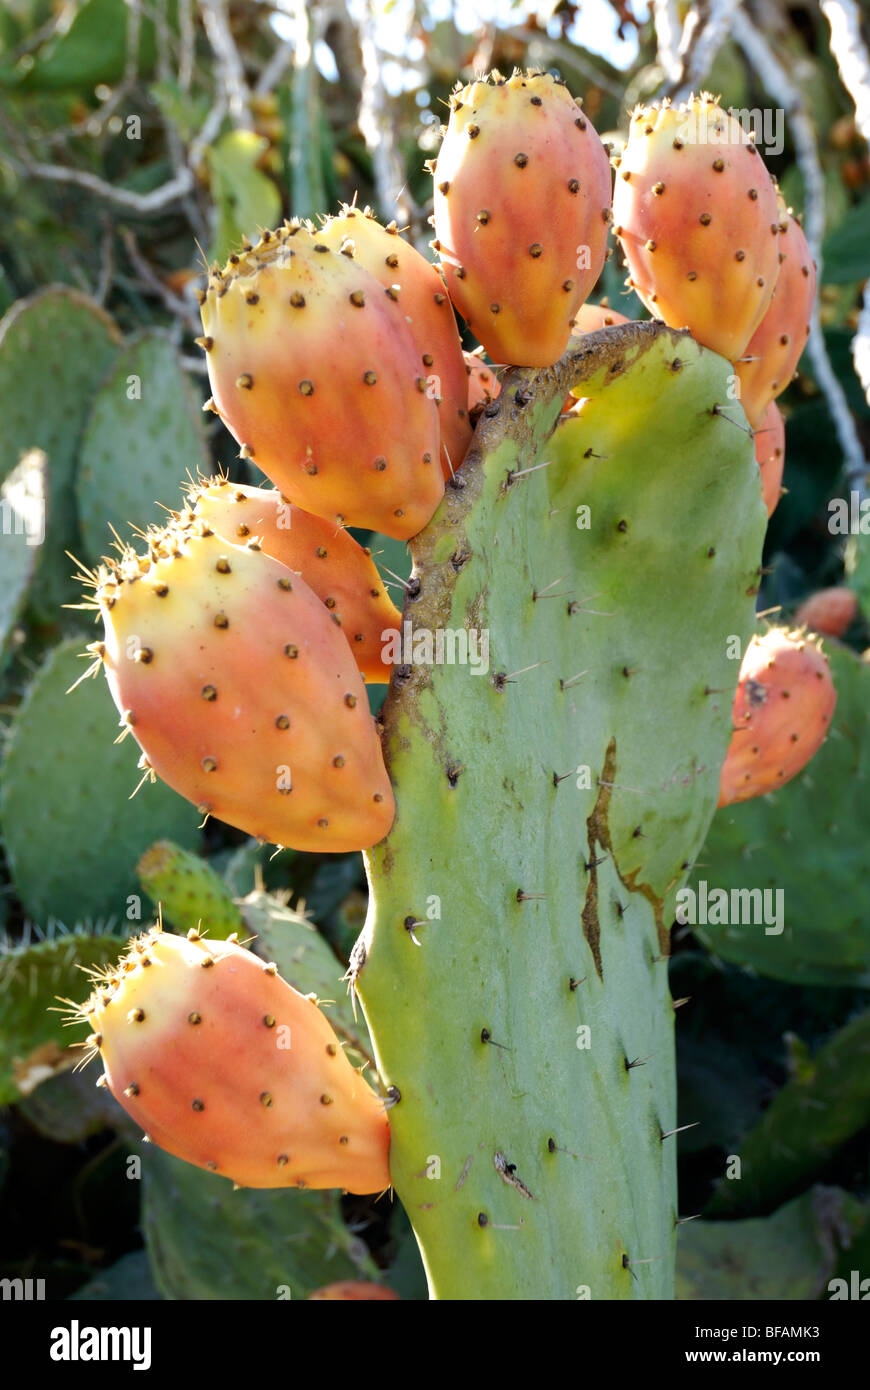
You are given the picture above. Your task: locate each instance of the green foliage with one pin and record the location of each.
(93, 49)
(54, 350)
(844, 251)
(815, 1113)
(142, 434)
(32, 976)
(66, 787)
(22, 513)
(247, 200)
(809, 840)
(791, 1254)
(206, 1241)
(128, 1280)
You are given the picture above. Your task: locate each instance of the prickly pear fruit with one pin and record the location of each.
(782, 709)
(778, 341)
(522, 203)
(188, 890)
(830, 612)
(314, 371)
(241, 691)
(769, 442)
(591, 317)
(231, 1069)
(339, 570)
(696, 213)
(353, 1289)
(483, 384)
(392, 261)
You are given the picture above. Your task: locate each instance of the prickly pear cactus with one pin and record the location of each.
(513, 967)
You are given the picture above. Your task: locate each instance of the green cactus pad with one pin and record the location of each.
(128, 1280)
(55, 348)
(65, 787)
(789, 1255)
(143, 432)
(306, 962)
(808, 839)
(815, 1113)
(34, 1041)
(22, 515)
(546, 812)
(206, 1241)
(188, 890)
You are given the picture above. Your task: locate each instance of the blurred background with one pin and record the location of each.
(140, 139)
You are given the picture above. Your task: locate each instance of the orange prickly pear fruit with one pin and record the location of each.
(769, 439)
(774, 349)
(830, 612)
(351, 1290)
(393, 261)
(591, 317)
(314, 371)
(340, 571)
(696, 213)
(483, 384)
(231, 1069)
(522, 205)
(241, 691)
(782, 710)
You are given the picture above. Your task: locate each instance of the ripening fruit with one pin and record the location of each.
(340, 571)
(782, 711)
(696, 213)
(591, 317)
(521, 211)
(242, 691)
(830, 612)
(483, 384)
(775, 347)
(769, 440)
(353, 1290)
(230, 1068)
(393, 261)
(314, 371)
